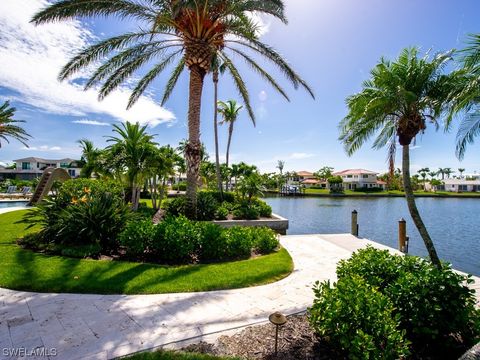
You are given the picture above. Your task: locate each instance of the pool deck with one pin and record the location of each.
(108, 326)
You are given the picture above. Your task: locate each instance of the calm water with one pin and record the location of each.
(6, 204)
(454, 224)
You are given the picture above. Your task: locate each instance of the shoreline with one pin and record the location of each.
(377, 195)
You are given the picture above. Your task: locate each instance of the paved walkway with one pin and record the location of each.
(107, 326)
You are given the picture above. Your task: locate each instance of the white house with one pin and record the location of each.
(32, 167)
(457, 185)
(360, 178)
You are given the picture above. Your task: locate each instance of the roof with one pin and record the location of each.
(41, 160)
(304, 173)
(311, 181)
(380, 182)
(355, 172)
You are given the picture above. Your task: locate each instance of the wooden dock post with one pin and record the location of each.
(354, 230)
(402, 235)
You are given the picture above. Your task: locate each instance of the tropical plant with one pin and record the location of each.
(8, 127)
(461, 171)
(324, 173)
(159, 168)
(229, 111)
(433, 174)
(448, 172)
(423, 173)
(135, 148)
(189, 30)
(280, 166)
(90, 159)
(397, 101)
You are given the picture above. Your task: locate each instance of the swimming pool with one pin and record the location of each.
(7, 204)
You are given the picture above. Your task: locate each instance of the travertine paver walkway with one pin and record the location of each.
(106, 326)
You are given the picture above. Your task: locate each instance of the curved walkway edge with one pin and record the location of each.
(72, 326)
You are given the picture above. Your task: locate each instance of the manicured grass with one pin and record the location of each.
(26, 270)
(175, 355)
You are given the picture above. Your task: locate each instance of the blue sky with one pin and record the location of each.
(333, 44)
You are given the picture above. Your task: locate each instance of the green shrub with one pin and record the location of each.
(212, 246)
(436, 307)
(265, 240)
(78, 188)
(221, 213)
(238, 242)
(246, 212)
(182, 186)
(357, 319)
(175, 206)
(207, 205)
(177, 240)
(138, 237)
(144, 212)
(263, 208)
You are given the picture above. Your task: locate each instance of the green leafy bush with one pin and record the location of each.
(138, 237)
(435, 306)
(357, 319)
(212, 243)
(221, 213)
(246, 212)
(175, 206)
(265, 240)
(76, 189)
(182, 186)
(207, 205)
(263, 208)
(238, 242)
(177, 240)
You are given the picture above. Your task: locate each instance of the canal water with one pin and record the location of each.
(453, 223)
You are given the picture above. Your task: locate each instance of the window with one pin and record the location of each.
(64, 165)
(38, 165)
(365, 176)
(349, 176)
(462, 187)
(71, 172)
(26, 166)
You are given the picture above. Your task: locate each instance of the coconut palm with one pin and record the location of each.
(189, 31)
(448, 172)
(8, 129)
(461, 171)
(217, 69)
(134, 148)
(423, 173)
(432, 174)
(441, 171)
(280, 166)
(396, 103)
(229, 111)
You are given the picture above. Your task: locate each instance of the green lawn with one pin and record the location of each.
(26, 270)
(174, 355)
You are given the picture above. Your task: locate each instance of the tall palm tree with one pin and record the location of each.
(280, 166)
(90, 158)
(432, 174)
(217, 69)
(396, 103)
(423, 173)
(441, 171)
(8, 129)
(461, 171)
(191, 31)
(135, 147)
(448, 172)
(229, 111)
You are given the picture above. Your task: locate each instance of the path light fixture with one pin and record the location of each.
(277, 319)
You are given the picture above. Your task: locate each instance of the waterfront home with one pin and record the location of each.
(298, 177)
(456, 185)
(360, 179)
(32, 167)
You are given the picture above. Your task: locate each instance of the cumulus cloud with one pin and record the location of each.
(31, 58)
(91, 122)
(42, 148)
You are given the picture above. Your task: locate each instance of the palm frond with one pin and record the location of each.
(172, 81)
(468, 130)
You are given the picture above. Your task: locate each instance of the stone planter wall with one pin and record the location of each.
(276, 223)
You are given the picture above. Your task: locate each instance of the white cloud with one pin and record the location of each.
(42, 148)
(298, 156)
(31, 58)
(91, 122)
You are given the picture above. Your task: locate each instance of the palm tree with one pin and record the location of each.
(8, 127)
(189, 30)
(135, 148)
(441, 171)
(432, 174)
(461, 171)
(423, 173)
(448, 172)
(217, 68)
(90, 158)
(229, 111)
(396, 103)
(280, 166)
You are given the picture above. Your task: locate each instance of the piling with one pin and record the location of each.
(402, 235)
(354, 230)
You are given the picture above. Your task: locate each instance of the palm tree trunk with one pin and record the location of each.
(215, 128)
(412, 207)
(193, 148)
(230, 133)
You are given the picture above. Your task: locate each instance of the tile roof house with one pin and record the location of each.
(359, 178)
(32, 167)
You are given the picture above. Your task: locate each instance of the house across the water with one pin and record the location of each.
(32, 167)
(456, 185)
(360, 179)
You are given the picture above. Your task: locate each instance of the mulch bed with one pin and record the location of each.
(296, 342)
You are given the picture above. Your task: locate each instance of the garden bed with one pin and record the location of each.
(275, 222)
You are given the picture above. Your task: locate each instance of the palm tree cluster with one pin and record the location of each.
(188, 34)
